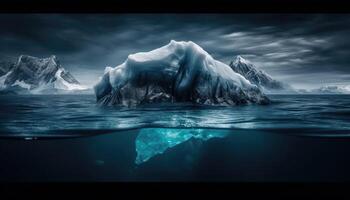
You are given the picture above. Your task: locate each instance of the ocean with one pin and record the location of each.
(70, 138)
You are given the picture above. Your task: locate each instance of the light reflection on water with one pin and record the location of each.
(76, 115)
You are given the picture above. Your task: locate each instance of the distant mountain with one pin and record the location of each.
(37, 75)
(257, 76)
(331, 89)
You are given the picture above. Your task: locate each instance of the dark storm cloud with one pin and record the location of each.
(290, 47)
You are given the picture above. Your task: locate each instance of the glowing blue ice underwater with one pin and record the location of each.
(154, 141)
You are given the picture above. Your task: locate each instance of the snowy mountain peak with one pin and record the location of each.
(245, 67)
(240, 59)
(38, 64)
(257, 76)
(39, 75)
(53, 57)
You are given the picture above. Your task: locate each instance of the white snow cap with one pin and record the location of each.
(181, 70)
(240, 59)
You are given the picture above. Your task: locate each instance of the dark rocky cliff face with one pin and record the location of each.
(256, 76)
(35, 71)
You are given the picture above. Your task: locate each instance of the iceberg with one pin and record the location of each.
(37, 76)
(155, 141)
(176, 72)
(258, 77)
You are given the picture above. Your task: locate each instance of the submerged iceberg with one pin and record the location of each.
(154, 141)
(177, 72)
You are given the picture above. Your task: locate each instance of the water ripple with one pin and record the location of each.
(77, 115)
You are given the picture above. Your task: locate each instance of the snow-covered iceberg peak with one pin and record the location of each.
(176, 72)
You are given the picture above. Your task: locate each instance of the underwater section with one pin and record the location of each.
(154, 141)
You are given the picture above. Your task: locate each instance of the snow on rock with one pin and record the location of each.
(2, 81)
(39, 75)
(179, 71)
(257, 76)
(21, 84)
(64, 84)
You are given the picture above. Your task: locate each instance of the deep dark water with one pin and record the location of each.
(297, 138)
(241, 156)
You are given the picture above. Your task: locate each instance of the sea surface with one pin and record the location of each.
(71, 138)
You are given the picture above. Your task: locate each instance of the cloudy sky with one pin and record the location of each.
(305, 50)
